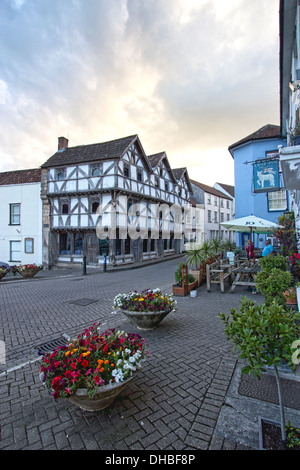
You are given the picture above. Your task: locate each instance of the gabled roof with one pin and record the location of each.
(20, 176)
(157, 158)
(228, 188)
(110, 150)
(179, 172)
(266, 132)
(209, 189)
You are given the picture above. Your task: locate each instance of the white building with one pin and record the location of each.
(218, 208)
(21, 217)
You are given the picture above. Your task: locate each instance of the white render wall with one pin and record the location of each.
(29, 196)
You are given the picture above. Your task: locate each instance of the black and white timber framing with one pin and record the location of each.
(77, 181)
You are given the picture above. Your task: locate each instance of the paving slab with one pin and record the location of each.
(184, 399)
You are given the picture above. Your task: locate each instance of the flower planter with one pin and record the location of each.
(146, 320)
(28, 273)
(2, 275)
(270, 436)
(198, 275)
(182, 291)
(104, 397)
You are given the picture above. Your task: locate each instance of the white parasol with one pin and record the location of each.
(251, 224)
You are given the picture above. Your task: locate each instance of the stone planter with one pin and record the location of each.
(28, 273)
(2, 275)
(146, 320)
(104, 397)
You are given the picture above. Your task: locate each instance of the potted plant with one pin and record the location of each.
(194, 259)
(28, 270)
(94, 368)
(185, 282)
(3, 271)
(274, 278)
(146, 309)
(264, 335)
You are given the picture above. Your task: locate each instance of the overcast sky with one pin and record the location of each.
(190, 77)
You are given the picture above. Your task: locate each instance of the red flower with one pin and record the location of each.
(73, 365)
(85, 363)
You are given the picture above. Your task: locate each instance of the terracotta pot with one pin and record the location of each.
(291, 296)
(29, 273)
(104, 397)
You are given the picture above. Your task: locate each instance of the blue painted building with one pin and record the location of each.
(261, 145)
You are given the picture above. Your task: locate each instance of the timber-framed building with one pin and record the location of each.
(86, 186)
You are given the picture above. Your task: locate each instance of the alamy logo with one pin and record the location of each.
(136, 220)
(296, 354)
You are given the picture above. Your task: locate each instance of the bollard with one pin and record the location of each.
(104, 263)
(84, 265)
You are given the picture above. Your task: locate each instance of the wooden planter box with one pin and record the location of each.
(184, 290)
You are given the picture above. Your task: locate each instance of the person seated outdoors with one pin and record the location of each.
(268, 249)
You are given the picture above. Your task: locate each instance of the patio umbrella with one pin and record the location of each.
(251, 224)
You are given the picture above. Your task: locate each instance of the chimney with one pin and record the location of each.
(62, 143)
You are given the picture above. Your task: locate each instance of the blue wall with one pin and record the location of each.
(246, 201)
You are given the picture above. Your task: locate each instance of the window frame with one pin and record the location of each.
(11, 214)
(11, 259)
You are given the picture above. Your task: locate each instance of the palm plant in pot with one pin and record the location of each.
(265, 335)
(194, 259)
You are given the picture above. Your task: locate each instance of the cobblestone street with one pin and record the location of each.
(174, 402)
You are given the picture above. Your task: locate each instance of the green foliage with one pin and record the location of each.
(194, 257)
(178, 275)
(263, 334)
(270, 262)
(272, 284)
(293, 437)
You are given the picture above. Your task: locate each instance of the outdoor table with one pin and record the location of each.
(245, 275)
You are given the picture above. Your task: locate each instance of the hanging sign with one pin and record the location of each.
(266, 176)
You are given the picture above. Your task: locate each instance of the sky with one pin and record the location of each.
(190, 77)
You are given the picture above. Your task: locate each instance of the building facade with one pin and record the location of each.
(111, 201)
(258, 148)
(218, 208)
(21, 217)
(290, 101)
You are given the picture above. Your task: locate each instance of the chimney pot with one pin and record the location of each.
(62, 143)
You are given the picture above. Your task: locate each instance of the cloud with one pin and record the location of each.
(189, 76)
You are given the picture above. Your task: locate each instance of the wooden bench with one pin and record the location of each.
(217, 273)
